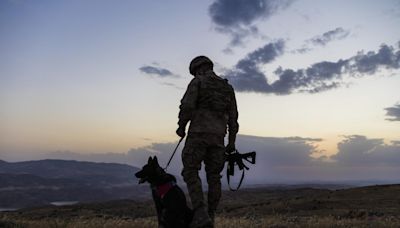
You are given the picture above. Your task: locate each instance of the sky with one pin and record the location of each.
(317, 82)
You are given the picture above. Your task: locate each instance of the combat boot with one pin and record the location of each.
(201, 219)
(211, 214)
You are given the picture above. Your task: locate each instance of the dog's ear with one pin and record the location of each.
(155, 160)
(150, 160)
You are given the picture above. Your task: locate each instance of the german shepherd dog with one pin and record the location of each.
(170, 201)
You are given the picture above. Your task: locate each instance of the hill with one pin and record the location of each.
(92, 173)
(35, 183)
(372, 206)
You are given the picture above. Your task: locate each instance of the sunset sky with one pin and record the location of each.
(102, 80)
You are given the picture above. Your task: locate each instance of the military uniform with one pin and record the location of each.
(210, 105)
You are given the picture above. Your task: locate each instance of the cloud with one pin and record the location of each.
(321, 76)
(158, 71)
(336, 34)
(278, 152)
(393, 113)
(172, 85)
(302, 50)
(368, 63)
(237, 17)
(135, 156)
(279, 159)
(358, 150)
(301, 139)
(273, 155)
(290, 159)
(246, 75)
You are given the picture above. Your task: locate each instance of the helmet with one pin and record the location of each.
(199, 61)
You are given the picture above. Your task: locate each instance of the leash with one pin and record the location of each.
(166, 167)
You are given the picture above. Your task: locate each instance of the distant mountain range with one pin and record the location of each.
(33, 183)
(42, 182)
(90, 173)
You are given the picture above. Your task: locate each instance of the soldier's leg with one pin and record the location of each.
(214, 164)
(192, 156)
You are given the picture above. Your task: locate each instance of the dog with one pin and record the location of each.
(170, 201)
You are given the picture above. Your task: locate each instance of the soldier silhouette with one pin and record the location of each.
(209, 104)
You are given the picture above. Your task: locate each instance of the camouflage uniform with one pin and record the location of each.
(210, 104)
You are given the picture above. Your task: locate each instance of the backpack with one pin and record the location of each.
(214, 94)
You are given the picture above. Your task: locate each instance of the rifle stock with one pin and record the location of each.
(252, 155)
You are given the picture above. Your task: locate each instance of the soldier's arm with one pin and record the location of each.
(233, 125)
(188, 103)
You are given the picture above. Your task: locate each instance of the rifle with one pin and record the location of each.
(237, 158)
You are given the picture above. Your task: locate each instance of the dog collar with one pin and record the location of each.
(163, 189)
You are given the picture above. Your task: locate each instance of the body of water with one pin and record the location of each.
(8, 209)
(64, 203)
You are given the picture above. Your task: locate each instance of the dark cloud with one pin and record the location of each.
(278, 159)
(277, 152)
(158, 71)
(291, 159)
(246, 75)
(322, 40)
(237, 36)
(163, 151)
(302, 139)
(237, 17)
(368, 63)
(327, 75)
(321, 76)
(302, 50)
(336, 34)
(273, 155)
(393, 113)
(358, 150)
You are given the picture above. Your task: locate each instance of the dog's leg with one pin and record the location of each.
(159, 209)
(176, 209)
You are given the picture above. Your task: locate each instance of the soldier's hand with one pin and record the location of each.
(181, 132)
(230, 148)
